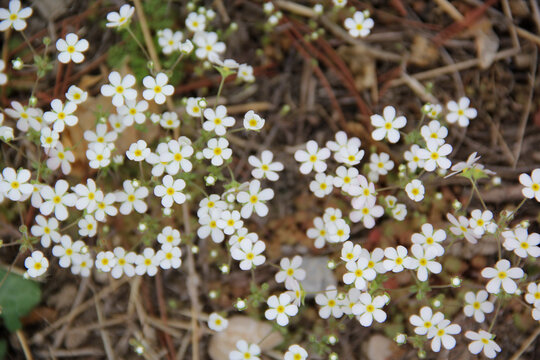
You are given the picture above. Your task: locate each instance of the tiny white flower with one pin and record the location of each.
(480, 221)
(460, 112)
(367, 214)
(363, 193)
(105, 261)
(217, 322)
(132, 198)
(36, 264)
(482, 340)
(57, 200)
(61, 115)
(430, 238)
(435, 155)
(76, 95)
(169, 120)
(295, 352)
(280, 308)
(375, 259)
(71, 48)
(387, 125)
(442, 335)
(169, 41)
(461, 228)
(253, 121)
(502, 275)
(194, 106)
(254, 199)
(147, 262)
(207, 45)
(14, 184)
(138, 151)
(87, 226)
(217, 121)
(290, 269)
(59, 157)
(86, 195)
(170, 191)
(209, 226)
(531, 184)
(171, 256)
(521, 242)
(399, 212)
(415, 190)
(264, 167)
(217, 150)
(245, 351)
(426, 320)
(533, 294)
(338, 231)
(120, 18)
(359, 25)
(195, 22)
(102, 135)
(359, 273)
(245, 73)
(380, 164)
(66, 250)
(124, 263)
(169, 236)
(322, 185)
(434, 131)
(99, 156)
(46, 229)
(249, 254)
(319, 233)
(14, 16)
(396, 258)
(312, 158)
(422, 261)
(104, 206)
(477, 305)
(348, 180)
(133, 111)
(81, 264)
(157, 88)
(120, 88)
(329, 303)
(26, 117)
(413, 159)
(229, 221)
(367, 309)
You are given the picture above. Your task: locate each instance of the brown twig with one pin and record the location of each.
(76, 302)
(104, 334)
(162, 307)
(24, 344)
(526, 344)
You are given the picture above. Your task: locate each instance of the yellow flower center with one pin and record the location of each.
(535, 187)
(99, 157)
(359, 27)
(434, 156)
(370, 308)
(415, 191)
(121, 261)
(168, 256)
(61, 155)
(170, 191)
(501, 275)
(313, 158)
(46, 230)
(265, 167)
(365, 211)
(105, 261)
(476, 305)
(230, 222)
(61, 115)
(217, 121)
(358, 273)
(290, 272)
(422, 262)
(137, 152)
(131, 198)
(460, 112)
(253, 199)
(69, 252)
(157, 89)
(76, 96)
(132, 111)
(388, 126)
(440, 332)
(331, 303)
(399, 261)
(250, 256)
(177, 157)
(524, 245)
(91, 196)
(57, 199)
(280, 309)
(253, 122)
(15, 185)
(427, 324)
(37, 266)
(71, 49)
(429, 241)
(484, 341)
(147, 262)
(217, 151)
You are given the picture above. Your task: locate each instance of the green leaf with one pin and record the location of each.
(17, 297)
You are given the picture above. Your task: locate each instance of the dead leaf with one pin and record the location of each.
(423, 51)
(487, 43)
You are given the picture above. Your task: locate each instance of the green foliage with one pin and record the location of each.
(17, 297)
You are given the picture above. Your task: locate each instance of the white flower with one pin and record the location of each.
(138, 151)
(217, 322)
(14, 184)
(332, 215)
(254, 199)
(442, 334)
(194, 106)
(322, 185)
(242, 234)
(253, 121)
(117, 19)
(435, 155)
(81, 264)
(49, 138)
(330, 305)
(364, 193)
(422, 262)
(132, 198)
(76, 95)
(169, 41)
(369, 308)
(195, 22)
(217, 150)
(177, 156)
(280, 309)
(26, 117)
(319, 233)
(124, 262)
(3, 77)
(245, 351)
(521, 242)
(426, 321)
(101, 136)
(169, 236)
(171, 256)
(71, 48)
(36, 264)
(312, 158)
(358, 273)
(477, 305)
(387, 125)
(434, 132)
(116, 122)
(56, 200)
(340, 3)
(396, 258)
(99, 156)
(169, 120)
(104, 206)
(367, 214)
(105, 261)
(390, 201)
(290, 269)
(15, 17)
(87, 226)
(61, 115)
(503, 275)
(133, 111)
(147, 263)
(533, 294)
(482, 340)
(342, 142)
(209, 226)
(249, 254)
(399, 212)
(295, 352)
(209, 203)
(433, 111)
(380, 164)
(461, 228)
(413, 159)
(375, 259)
(415, 190)
(460, 112)
(245, 72)
(46, 229)
(119, 88)
(531, 184)
(170, 191)
(265, 167)
(229, 221)
(348, 180)
(481, 221)
(86, 195)
(359, 25)
(217, 120)
(338, 231)
(66, 250)
(430, 238)
(157, 88)
(58, 157)
(207, 43)
(469, 164)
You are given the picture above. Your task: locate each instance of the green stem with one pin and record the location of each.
(138, 43)
(219, 91)
(475, 188)
(495, 316)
